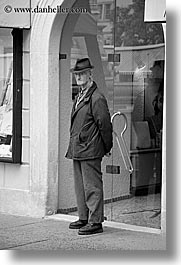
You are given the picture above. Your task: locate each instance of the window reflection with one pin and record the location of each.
(6, 92)
(133, 86)
(154, 97)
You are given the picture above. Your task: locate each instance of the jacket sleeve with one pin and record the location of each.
(102, 119)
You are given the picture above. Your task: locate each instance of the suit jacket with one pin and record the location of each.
(91, 127)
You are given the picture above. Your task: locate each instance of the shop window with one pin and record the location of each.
(129, 69)
(10, 95)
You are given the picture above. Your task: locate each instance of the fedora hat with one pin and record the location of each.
(82, 65)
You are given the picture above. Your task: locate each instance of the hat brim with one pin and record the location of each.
(73, 70)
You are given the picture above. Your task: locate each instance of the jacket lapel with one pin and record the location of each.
(83, 102)
(73, 107)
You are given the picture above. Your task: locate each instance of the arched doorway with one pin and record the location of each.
(122, 69)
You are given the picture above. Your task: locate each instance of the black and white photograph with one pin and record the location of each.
(83, 126)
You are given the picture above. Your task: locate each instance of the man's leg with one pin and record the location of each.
(93, 186)
(83, 210)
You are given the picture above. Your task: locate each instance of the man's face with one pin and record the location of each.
(82, 78)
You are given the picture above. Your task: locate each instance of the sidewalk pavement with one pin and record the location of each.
(52, 233)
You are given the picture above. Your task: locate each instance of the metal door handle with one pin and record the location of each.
(130, 168)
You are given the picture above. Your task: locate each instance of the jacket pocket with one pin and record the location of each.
(78, 146)
(87, 132)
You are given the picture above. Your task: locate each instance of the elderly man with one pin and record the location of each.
(90, 140)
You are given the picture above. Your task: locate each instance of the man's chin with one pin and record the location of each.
(80, 83)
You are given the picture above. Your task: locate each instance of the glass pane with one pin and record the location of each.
(128, 56)
(6, 92)
(138, 94)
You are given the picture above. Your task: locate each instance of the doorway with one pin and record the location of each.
(128, 58)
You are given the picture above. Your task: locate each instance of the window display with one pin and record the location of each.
(6, 92)
(10, 93)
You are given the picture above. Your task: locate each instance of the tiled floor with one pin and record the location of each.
(138, 210)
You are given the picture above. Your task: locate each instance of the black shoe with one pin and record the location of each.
(90, 229)
(78, 224)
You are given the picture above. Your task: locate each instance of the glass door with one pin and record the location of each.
(138, 73)
(128, 58)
